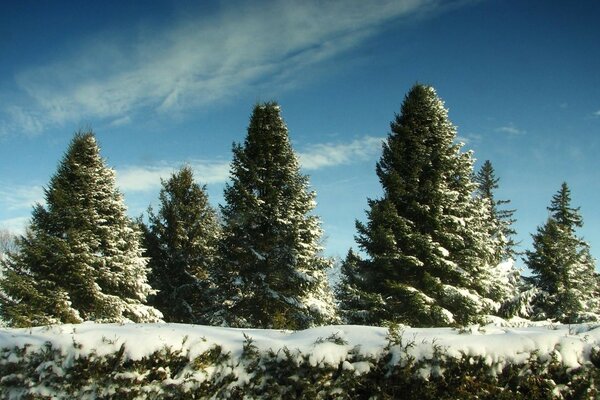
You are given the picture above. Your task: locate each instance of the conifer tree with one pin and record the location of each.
(503, 279)
(500, 220)
(181, 241)
(356, 305)
(273, 274)
(563, 267)
(81, 257)
(425, 239)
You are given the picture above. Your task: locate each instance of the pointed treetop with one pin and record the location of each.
(422, 105)
(561, 209)
(487, 180)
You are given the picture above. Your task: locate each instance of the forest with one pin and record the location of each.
(436, 250)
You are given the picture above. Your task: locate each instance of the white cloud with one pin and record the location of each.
(16, 202)
(331, 154)
(19, 120)
(144, 178)
(20, 197)
(510, 129)
(15, 225)
(198, 60)
(141, 178)
(121, 121)
(596, 114)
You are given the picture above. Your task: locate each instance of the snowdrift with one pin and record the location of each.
(173, 361)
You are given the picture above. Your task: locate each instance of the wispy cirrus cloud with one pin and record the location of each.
(331, 154)
(16, 202)
(197, 60)
(510, 129)
(20, 197)
(15, 225)
(596, 114)
(141, 178)
(18, 119)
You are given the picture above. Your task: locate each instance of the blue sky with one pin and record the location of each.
(167, 83)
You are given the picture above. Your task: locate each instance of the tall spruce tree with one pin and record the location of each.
(181, 242)
(81, 257)
(273, 274)
(500, 220)
(564, 270)
(425, 238)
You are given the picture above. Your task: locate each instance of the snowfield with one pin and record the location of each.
(330, 345)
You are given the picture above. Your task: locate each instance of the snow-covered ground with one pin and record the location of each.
(327, 345)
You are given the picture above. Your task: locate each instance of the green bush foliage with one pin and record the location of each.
(171, 373)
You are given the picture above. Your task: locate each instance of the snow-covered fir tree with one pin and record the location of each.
(425, 240)
(502, 278)
(356, 306)
(564, 270)
(499, 219)
(273, 274)
(80, 258)
(181, 242)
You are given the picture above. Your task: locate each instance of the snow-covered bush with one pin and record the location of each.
(184, 361)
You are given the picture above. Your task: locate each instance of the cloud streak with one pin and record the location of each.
(197, 60)
(21, 197)
(510, 129)
(143, 178)
(332, 154)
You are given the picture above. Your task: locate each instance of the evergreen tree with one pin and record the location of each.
(499, 220)
(564, 270)
(181, 241)
(81, 257)
(356, 305)
(273, 274)
(502, 279)
(425, 239)
(562, 212)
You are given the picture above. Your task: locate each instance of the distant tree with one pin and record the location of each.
(356, 304)
(500, 220)
(425, 238)
(564, 270)
(8, 242)
(181, 242)
(80, 258)
(273, 274)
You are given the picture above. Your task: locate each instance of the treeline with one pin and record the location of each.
(435, 249)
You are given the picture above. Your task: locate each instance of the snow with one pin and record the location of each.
(328, 345)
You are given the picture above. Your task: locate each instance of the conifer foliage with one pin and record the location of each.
(499, 220)
(181, 241)
(564, 270)
(273, 274)
(81, 257)
(425, 239)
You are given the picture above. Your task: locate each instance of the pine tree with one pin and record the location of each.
(502, 279)
(561, 211)
(564, 270)
(181, 241)
(425, 239)
(500, 220)
(273, 274)
(81, 257)
(356, 306)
